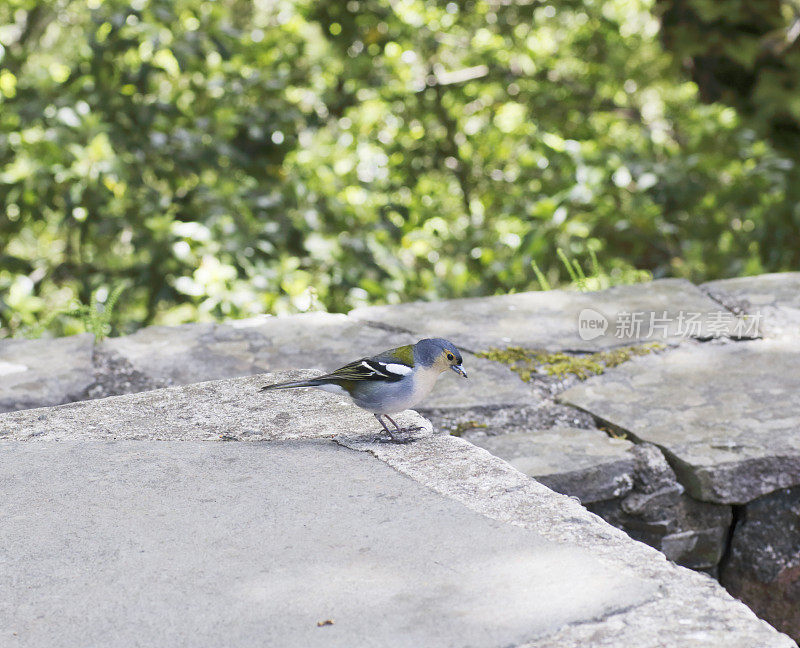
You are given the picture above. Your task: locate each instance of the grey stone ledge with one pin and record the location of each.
(190, 353)
(40, 373)
(587, 464)
(35, 373)
(321, 341)
(723, 414)
(550, 320)
(102, 524)
(774, 298)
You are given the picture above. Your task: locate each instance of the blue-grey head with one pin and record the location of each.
(440, 354)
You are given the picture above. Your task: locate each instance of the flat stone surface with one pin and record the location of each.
(194, 352)
(190, 543)
(233, 544)
(321, 341)
(35, 373)
(726, 414)
(232, 409)
(550, 320)
(773, 297)
(490, 385)
(587, 464)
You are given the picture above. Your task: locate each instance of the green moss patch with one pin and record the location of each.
(466, 426)
(529, 362)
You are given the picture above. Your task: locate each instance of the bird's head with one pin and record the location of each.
(438, 353)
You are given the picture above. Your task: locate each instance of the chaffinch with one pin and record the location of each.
(389, 382)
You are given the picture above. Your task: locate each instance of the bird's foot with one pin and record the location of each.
(410, 429)
(399, 436)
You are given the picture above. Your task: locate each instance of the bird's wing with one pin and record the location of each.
(389, 366)
(370, 369)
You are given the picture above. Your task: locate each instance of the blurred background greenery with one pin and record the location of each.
(227, 158)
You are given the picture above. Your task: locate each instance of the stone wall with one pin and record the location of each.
(692, 448)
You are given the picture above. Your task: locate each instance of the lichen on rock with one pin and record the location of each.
(528, 362)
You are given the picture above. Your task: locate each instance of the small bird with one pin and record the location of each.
(389, 382)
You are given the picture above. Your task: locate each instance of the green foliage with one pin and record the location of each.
(544, 284)
(230, 158)
(597, 279)
(95, 317)
(746, 53)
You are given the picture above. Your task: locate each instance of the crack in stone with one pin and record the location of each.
(619, 612)
(115, 375)
(737, 511)
(385, 327)
(735, 306)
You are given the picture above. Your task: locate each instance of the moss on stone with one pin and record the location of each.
(465, 426)
(528, 362)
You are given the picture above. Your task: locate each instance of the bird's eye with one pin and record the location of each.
(449, 356)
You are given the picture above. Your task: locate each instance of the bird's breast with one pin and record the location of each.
(389, 398)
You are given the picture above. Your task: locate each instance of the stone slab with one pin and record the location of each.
(321, 341)
(232, 409)
(36, 373)
(688, 610)
(92, 486)
(550, 320)
(773, 297)
(185, 544)
(489, 385)
(724, 414)
(587, 464)
(179, 355)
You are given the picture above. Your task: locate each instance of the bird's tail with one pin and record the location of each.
(313, 382)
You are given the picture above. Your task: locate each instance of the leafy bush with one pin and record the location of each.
(232, 157)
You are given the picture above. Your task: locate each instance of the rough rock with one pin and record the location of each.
(587, 464)
(326, 341)
(658, 513)
(35, 373)
(489, 385)
(308, 536)
(725, 415)
(763, 567)
(114, 375)
(232, 409)
(773, 298)
(181, 355)
(321, 341)
(561, 320)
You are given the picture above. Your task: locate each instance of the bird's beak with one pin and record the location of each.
(459, 370)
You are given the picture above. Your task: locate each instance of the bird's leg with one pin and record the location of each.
(392, 437)
(392, 421)
(388, 431)
(401, 430)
